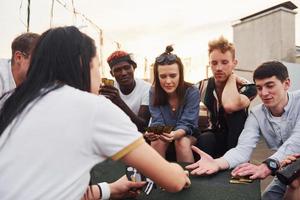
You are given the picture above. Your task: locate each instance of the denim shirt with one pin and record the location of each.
(185, 117)
(283, 136)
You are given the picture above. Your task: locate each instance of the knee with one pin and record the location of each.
(158, 144)
(295, 185)
(183, 143)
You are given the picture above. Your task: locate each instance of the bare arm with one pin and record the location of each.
(207, 165)
(169, 176)
(173, 135)
(141, 120)
(120, 189)
(232, 100)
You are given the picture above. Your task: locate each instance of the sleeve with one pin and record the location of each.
(290, 146)
(1, 86)
(4, 97)
(188, 120)
(145, 95)
(114, 135)
(246, 143)
(291, 137)
(249, 90)
(156, 115)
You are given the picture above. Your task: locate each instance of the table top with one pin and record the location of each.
(214, 187)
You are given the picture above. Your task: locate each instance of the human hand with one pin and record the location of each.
(167, 137)
(205, 166)
(296, 183)
(288, 160)
(251, 170)
(151, 136)
(188, 181)
(239, 80)
(111, 93)
(293, 190)
(123, 188)
(91, 193)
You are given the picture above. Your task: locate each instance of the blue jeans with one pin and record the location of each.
(274, 191)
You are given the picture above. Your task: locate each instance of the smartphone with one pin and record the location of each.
(133, 175)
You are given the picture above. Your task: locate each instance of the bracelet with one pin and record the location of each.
(100, 191)
(105, 190)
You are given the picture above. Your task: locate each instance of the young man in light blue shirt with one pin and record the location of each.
(277, 119)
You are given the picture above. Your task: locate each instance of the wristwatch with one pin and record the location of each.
(273, 165)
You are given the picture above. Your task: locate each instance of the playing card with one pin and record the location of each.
(107, 81)
(159, 129)
(240, 180)
(168, 129)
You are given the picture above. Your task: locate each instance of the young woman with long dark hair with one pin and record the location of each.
(54, 127)
(173, 102)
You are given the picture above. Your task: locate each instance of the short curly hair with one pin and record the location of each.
(120, 56)
(222, 44)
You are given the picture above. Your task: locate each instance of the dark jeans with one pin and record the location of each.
(217, 142)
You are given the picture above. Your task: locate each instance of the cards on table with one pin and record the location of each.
(240, 180)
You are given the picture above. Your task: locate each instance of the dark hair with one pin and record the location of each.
(269, 69)
(24, 43)
(62, 56)
(160, 96)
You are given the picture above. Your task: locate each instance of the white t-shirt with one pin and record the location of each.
(55, 143)
(7, 81)
(139, 96)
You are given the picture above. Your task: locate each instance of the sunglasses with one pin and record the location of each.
(166, 59)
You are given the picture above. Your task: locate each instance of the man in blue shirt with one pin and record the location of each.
(277, 119)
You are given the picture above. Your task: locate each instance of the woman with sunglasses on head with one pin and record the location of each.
(54, 128)
(173, 102)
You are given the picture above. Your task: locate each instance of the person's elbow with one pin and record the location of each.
(177, 180)
(176, 188)
(233, 106)
(177, 185)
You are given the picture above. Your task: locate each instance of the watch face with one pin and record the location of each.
(273, 164)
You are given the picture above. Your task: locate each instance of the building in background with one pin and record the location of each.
(268, 35)
(297, 54)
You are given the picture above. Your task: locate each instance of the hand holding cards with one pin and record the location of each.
(154, 132)
(107, 81)
(133, 175)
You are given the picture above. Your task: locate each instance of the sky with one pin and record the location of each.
(141, 27)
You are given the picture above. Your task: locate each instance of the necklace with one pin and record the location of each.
(173, 104)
